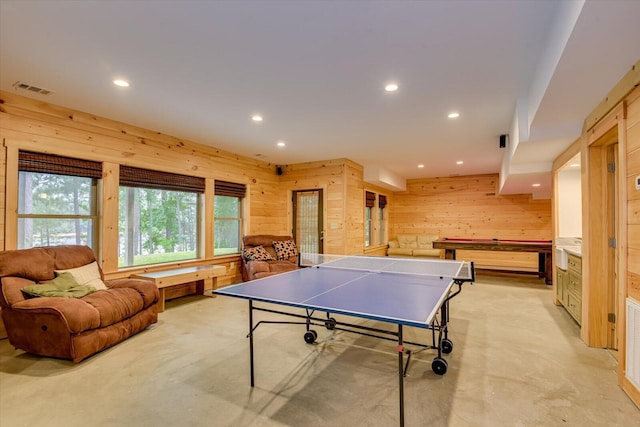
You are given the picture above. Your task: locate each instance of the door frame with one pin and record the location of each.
(601, 285)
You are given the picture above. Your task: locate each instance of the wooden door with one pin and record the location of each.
(307, 221)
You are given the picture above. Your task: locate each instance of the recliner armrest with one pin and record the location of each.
(10, 292)
(254, 267)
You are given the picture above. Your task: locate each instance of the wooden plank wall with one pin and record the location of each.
(633, 199)
(354, 208)
(27, 124)
(632, 290)
(329, 176)
(469, 206)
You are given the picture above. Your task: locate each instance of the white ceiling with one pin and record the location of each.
(316, 70)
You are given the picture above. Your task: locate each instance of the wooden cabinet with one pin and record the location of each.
(562, 281)
(574, 287)
(569, 287)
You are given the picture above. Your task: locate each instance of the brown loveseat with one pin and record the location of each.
(69, 328)
(258, 268)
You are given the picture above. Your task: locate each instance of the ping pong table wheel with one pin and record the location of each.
(446, 346)
(439, 366)
(310, 336)
(330, 323)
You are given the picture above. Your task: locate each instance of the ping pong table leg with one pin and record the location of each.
(401, 375)
(251, 339)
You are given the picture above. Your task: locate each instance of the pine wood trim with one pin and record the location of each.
(109, 191)
(209, 205)
(568, 154)
(623, 245)
(606, 131)
(626, 85)
(11, 198)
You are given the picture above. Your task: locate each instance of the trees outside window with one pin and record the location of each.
(227, 225)
(55, 209)
(157, 226)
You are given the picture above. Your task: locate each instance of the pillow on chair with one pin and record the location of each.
(257, 253)
(285, 249)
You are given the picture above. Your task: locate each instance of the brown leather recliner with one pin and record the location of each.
(69, 328)
(256, 269)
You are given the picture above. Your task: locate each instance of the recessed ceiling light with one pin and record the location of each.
(459, 162)
(420, 165)
(574, 165)
(453, 115)
(257, 118)
(391, 87)
(121, 83)
(535, 185)
(281, 144)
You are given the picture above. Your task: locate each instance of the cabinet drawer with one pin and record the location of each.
(574, 306)
(574, 264)
(574, 284)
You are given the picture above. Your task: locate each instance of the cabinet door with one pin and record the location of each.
(561, 286)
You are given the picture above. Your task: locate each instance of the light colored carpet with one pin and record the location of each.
(517, 361)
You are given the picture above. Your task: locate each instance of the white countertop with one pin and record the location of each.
(573, 250)
(571, 245)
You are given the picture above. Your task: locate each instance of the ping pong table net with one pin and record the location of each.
(375, 264)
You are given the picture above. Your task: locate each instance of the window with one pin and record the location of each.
(382, 203)
(159, 217)
(370, 202)
(57, 200)
(227, 217)
(375, 221)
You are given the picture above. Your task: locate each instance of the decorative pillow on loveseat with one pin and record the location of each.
(87, 275)
(257, 253)
(64, 286)
(285, 249)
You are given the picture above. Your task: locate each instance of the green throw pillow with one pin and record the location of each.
(64, 286)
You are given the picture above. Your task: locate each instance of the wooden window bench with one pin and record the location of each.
(177, 276)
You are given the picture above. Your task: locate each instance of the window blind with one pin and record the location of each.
(59, 165)
(382, 201)
(370, 199)
(136, 177)
(231, 189)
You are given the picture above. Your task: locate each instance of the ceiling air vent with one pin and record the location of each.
(31, 88)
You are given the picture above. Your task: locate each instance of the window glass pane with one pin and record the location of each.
(157, 226)
(49, 194)
(54, 231)
(226, 237)
(226, 207)
(381, 226)
(55, 210)
(367, 225)
(226, 225)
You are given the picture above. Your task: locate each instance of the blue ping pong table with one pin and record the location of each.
(400, 291)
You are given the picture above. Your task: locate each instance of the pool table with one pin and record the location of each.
(542, 247)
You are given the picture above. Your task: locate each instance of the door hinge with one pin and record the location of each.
(612, 242)
(611, 167)
(611, 317)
